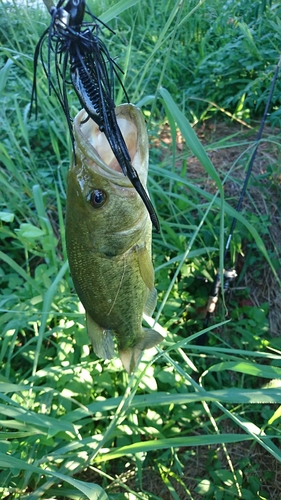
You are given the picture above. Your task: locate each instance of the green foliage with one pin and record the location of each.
(217, 52)
(73, 426)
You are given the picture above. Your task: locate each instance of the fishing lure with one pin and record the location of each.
(78, 49)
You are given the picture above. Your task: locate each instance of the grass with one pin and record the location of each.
(73, 426)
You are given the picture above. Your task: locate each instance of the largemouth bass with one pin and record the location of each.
(108, 238)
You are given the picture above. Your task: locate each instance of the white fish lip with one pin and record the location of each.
(92, 143)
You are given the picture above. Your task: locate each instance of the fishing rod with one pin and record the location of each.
(230, 274)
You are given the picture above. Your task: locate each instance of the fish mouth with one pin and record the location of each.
(94, 144)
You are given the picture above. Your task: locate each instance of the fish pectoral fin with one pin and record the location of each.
(150, 302)
(101, 339)
(146, 267)
(131, 356)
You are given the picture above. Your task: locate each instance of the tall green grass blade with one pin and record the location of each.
(92, 491)
(19, 270)
(4, 72)
(255, 432)
(52, 425)
(233, 395)
(47, 303)
(249, 368)
(178, 442)
(50, 241)
(149, 61)
(191, 138)
(117, 9)
(62, 408)
(197, 149)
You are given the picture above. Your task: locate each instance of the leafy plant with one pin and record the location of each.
(73, 426)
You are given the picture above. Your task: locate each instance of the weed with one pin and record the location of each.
(73, 425)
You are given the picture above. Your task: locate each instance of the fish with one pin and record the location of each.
(108, 238)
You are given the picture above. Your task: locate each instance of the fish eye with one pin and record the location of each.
(97, 198)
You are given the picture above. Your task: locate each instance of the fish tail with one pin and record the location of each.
(131, 356)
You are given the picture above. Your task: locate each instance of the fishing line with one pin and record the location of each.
(230, 274)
